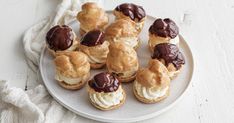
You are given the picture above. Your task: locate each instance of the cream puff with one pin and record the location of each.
(72, 69)
(122, 61)
(133, 12)
(163, 31)
(91, 17)
(170, 56)
(123, 31)
(152, 84)
(61, 38)
(95, 47)
(105, 91)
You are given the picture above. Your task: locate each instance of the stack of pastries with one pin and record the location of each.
(152, 84)
(61, 38)
(122, 60)
(163, 31)
(92, 17)
(112, 48)
(95, 47)
(105, 91)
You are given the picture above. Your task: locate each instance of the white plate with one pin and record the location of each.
(132, 110)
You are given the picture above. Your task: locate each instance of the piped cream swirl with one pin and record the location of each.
(107, 100)
(70, 80)
(149, 93)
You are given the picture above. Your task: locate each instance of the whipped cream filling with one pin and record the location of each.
(126, 73)
(130, 41)
(175, 40)
(107, 100)
(93, 59)
(160, 40)
(149, 93)
(99, 58)
(70, 80)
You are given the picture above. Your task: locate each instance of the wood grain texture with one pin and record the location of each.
(207, 26)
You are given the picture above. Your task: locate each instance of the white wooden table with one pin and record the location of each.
(208, 27)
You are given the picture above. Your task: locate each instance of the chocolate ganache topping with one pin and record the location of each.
(59, 37)
(93, 38)
(164, 28)
(104, 82)
(169, 53)
(131, 10)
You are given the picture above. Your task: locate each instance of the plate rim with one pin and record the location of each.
(139, 118)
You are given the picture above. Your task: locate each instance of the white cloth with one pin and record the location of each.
(36, 105)
(33, 106)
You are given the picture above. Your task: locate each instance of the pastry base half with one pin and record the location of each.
(97, 65)
(71, 87)
(111, 107)
(147, 101)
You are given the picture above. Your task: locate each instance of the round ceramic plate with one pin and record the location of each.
(132, 110)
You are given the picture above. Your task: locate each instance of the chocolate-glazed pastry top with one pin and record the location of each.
(131, 10)
(93, 38)
(164, 28)
(104, 82)
(59, 37)
(169, 53)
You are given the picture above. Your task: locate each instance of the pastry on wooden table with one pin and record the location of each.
(133, 12)
(91, 17)
(61, 38)
(105, 91)
(163, 31)
(72, 69)
(152, 84)
(122, 60)
(124, 31)
(170, 56)
(95, 47)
